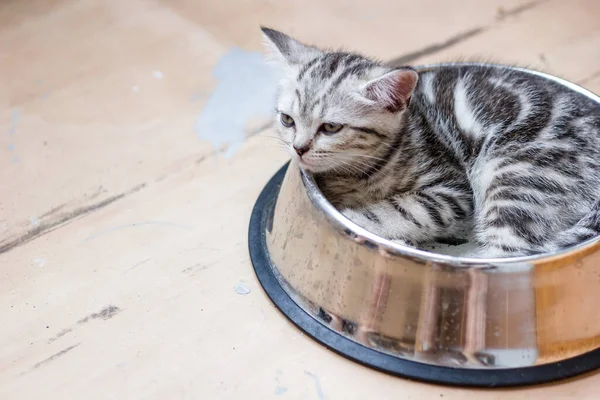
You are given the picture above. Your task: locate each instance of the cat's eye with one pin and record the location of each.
(331, 128)
(286, 120)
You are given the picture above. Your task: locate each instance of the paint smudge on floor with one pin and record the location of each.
(279, 390)
(14, 121)
(246, 90)
(318, 388)
(53, 210)
(158, 74)
(196, 268)
(105, 314)
(43, 96)
(39, 262)
(59, 335)
(134, 266)
(16, 115)
(55, 356)
(241, 288)
(11, 148)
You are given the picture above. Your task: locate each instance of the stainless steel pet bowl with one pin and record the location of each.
(421, 315)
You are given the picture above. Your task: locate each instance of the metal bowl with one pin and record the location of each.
(414, 313)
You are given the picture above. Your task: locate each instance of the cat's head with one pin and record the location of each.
(336, 110)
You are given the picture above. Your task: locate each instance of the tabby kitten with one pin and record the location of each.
(414, 157)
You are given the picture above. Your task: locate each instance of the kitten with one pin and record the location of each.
(413, 157)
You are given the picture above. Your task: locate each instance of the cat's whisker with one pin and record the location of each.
(349, 154)
(333, 165)
(350, 168)
(276, 139)
(358, 155)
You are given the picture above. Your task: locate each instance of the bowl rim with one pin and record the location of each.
(337, 219)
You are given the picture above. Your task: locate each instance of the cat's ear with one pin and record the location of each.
(285, 50)
(393, 89)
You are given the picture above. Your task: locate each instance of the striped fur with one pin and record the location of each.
(513, 157)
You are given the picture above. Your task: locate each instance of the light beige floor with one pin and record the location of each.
(123, 234)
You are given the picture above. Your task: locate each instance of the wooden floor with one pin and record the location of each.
(132, 148)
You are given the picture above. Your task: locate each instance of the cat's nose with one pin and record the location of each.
(301, 150)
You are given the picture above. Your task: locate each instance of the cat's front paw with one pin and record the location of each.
(401, 242)
(487, 252)
(359, 219)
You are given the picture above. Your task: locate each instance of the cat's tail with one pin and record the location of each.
(587, 228)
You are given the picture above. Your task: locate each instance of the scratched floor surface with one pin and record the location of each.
(133, 143)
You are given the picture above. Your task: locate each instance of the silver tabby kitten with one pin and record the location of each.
(418, 157)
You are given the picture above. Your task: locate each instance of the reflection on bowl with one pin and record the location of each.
(431, 308)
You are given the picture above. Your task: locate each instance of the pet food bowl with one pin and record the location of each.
(421, 315)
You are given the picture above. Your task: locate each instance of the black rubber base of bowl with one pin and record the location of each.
(261, 221)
